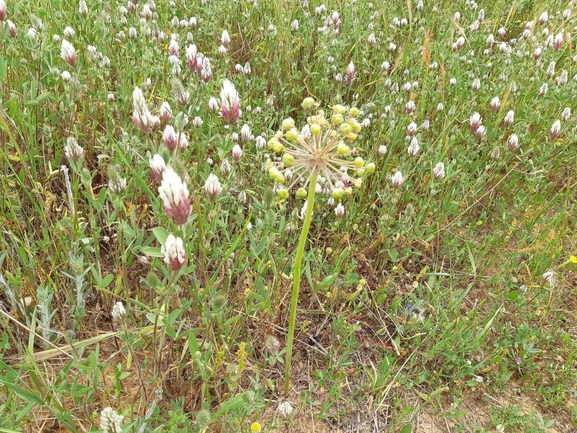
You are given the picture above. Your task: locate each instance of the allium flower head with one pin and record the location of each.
(173, 253)
(110, 421)
(174, 194)
(68, 53)
(321, 147)
(229, 102)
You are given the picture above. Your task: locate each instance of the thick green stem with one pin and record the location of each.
(297, 278)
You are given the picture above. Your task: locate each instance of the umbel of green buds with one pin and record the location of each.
(323, 146)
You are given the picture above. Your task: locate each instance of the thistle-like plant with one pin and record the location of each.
(320, 149)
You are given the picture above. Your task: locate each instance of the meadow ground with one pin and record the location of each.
(262, 215)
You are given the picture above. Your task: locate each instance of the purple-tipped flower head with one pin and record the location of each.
(68, 53)
(555, 130)
(349, 74)
(141, 115)
(174, 194)
(229, 102)
(439, 171)
(173, 253)
(397, 179)
(3, 10)
(212, 187)
(513, 142)
(158, 166)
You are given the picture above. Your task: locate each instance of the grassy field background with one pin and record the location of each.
(150, 228)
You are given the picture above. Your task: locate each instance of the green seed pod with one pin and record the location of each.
(288, 159)
(301, 193)
(282, 193)
(338, 193)
(346, 128)
(339, 109)
(343, 149)
(288, 123)
(371, 167)
(308, 103)
(359, 162)
(291, 134)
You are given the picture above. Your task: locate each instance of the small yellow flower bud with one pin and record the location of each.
(288, 159)
(255, 427)
(346, 128)
(301, 193)
(315, 129)
(352, 136)
(338, 193)
(360, 171)
(270, 144)
(339, 109)
(358, 182)
(371, 167)
(329, 251)
(277, 147)
(354, 111)
(348, 191)
(282, 193)
(337, 119)
(343, 149)
(288, 123)
(359, 162)
(279, 178)
(291, 134)
(308, 103)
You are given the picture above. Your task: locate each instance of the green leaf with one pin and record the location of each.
(26, 395)
(407, 428)
(161, 234)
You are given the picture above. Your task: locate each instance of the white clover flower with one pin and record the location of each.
(173, 253)
(513, 142)
(340, 210)
(118, 312)
(66, 76)
(229, 102)
(68, 32)
(439, 171)
(174, 194)
(68, 53)
(110, 420)
(382, 150)
(212, 186)
(414, 147)
(285, 408)
(225, 38)
(213, 104)
(158, 167)
(72, 149)
(397, 179)
(509, 118)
